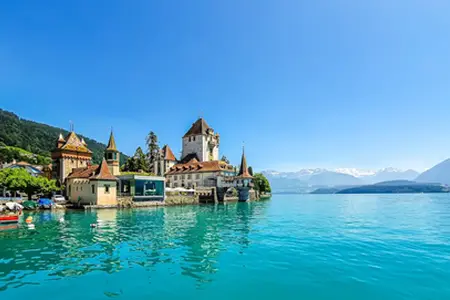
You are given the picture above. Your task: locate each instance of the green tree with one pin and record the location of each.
(261, 183)
(141, 162)
(152, 146)
(137, 162)
(19, 180)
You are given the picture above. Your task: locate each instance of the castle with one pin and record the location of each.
(199, 165)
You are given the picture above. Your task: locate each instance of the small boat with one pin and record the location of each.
(45, 203)
(9, 219)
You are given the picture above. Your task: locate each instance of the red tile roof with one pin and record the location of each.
(194, 166)
(103, 173)
(86, 172)
(94, 172)
(168, 154)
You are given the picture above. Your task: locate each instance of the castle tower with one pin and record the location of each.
(244, 181)
(112, 156)
(165, 160)
(200, 142)
(70, 153)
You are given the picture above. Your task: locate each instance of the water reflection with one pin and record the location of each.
(187, 240)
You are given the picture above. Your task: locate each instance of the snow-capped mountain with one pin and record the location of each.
(355, 172)
(304, 178)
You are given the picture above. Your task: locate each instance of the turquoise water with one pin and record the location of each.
(291, 247)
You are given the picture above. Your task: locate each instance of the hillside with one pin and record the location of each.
(396, 187)
(39, 138)
(440, 173)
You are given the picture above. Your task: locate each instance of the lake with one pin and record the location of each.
(289, 247)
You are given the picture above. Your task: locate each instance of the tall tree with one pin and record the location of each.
(140, 160)
(152, 146)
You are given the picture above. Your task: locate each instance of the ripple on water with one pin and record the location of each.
(316, 247)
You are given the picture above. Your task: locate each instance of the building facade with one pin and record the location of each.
(70, 153)
(92, 185)
(200, 142)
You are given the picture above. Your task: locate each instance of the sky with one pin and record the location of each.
(330, 84)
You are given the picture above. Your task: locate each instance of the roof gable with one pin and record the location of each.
(74, 143)
(103, 173)
(168, 154)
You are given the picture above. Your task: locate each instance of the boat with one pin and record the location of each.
(29, 205)
(9, 219)
(45, 203)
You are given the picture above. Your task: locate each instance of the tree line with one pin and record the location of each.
(15, 180)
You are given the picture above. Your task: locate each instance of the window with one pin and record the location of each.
(77, 189)
(70, 190)
(175, 177)
(193, 138)
(81, 188)
(93, 189)
(189, 176)
(106, 188)
(197, 176)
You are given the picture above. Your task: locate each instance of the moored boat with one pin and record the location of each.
(9, 219)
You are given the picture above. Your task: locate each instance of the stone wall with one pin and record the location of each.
(181, 199)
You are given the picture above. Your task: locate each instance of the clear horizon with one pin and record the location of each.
(328, 84)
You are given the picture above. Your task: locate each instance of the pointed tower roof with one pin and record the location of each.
(199, 127)
(111, 143)
(83, 141)
(61, 138)
(168, 154)
(243, 171)
(103, 173)
(74, 143)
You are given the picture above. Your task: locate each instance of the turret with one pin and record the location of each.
(60, 142)
(112, 156)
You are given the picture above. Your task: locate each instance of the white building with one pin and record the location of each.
(200, 142)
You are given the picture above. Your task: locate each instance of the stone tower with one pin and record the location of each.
(200, 142)
(244, 181)
(69, 153)
(112, 156)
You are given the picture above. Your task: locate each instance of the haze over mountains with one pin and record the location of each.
(306, 180)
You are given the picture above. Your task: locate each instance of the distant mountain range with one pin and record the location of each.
(307, 180)
(387, 187)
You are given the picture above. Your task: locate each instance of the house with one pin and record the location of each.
(92, 185)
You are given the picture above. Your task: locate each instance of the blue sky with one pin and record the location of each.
(319, 83)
